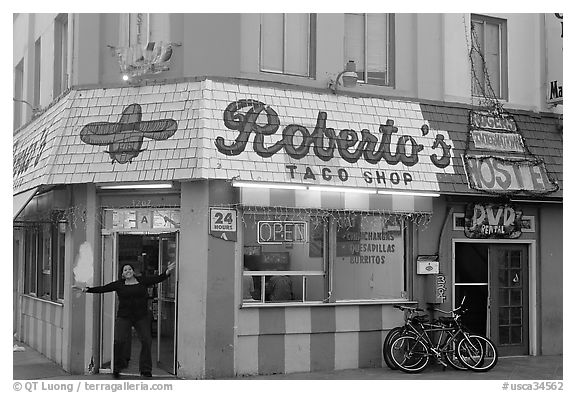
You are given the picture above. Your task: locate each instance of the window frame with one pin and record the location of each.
(263, 274)
(390, 51)
(329, 261)
(37, 72)
(530, 223)
(502, 53)
(310, 53)
(60, 54)
(455, 218)
(35, 267)
(18, 94)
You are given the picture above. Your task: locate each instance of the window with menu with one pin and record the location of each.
(301, 257)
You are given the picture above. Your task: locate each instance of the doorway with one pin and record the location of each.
(494, 279)
(149, 254)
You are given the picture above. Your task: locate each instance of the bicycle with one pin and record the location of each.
(443, 348)
(409, 315)
(411, 351)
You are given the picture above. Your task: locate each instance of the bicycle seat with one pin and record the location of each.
(446, 320)
(420, 318)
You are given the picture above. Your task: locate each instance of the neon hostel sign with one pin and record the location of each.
(514, 170)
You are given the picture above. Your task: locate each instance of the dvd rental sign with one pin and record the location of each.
(487, 221)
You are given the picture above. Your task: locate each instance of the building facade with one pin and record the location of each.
(306, 172)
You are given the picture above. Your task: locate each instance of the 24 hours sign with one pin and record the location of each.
(223, 223)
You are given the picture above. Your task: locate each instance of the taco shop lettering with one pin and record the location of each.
(393, 152)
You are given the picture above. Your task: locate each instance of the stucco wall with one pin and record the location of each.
(551, 280)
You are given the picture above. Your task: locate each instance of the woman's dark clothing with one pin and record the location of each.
(132, 311)
(133, 299)
(122, 336)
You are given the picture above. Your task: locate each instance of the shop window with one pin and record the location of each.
(489, 57)
(60, 255)
(30, 260)
(44, 261)
(45, 268)
(287, 43)
(458, 221)
(369, 42)
(528, 224)
(298, 257)
(369, 261)
(284, 258)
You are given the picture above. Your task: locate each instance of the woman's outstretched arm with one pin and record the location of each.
(151, 280)
(101, 289)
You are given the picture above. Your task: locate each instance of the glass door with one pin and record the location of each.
(509, 298)
(108, 302)
(167, 303)
(471, 280)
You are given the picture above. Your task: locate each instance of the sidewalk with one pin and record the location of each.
(30, 364)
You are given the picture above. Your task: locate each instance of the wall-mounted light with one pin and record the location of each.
(35, 110)
(279, 186)
(348, 77)
(62, 226)
(343, 189)
(409, 193)
(134, 186)
(312, 187)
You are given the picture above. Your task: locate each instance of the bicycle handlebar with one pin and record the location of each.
(404, 308)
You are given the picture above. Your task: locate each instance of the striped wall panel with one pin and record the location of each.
(42, 327)
(317, 338)
(266, 197)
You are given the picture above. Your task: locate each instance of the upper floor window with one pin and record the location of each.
(286, 44)
(37, 72)
(18, 93)
(139, 29)
(60, 54)
(489, 57)
(368, 41)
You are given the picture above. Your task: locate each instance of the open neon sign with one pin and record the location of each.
(279, 232)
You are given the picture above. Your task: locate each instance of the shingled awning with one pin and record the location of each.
(224, 129)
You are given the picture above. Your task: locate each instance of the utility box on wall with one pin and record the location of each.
(427, 264)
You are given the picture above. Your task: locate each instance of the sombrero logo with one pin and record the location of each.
(125, 138)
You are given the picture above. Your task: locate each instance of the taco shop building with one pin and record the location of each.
(297, 220)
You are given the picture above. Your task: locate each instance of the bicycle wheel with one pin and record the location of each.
(392, 334)
(449, 349)
(477, 353)
(409, 354)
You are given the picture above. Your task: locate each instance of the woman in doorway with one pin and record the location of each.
(132, 311)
